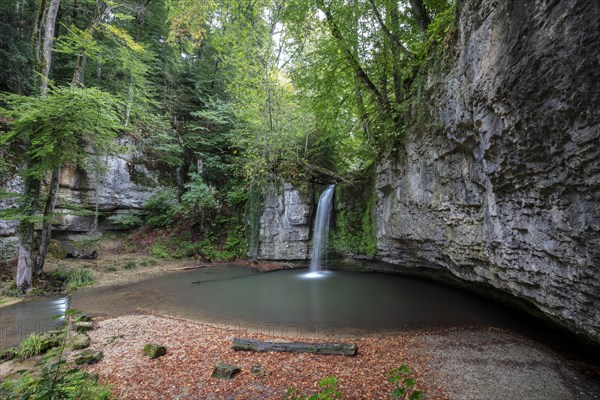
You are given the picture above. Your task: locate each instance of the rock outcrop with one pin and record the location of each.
(123, 186)
(503, 188)
(285, 225)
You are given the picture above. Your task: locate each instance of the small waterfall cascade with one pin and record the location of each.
(321, 228)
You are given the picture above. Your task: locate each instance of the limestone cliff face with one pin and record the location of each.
(285, 225)
(507, 193)
(123, 187)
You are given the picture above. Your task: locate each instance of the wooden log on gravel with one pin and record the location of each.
(340, 349)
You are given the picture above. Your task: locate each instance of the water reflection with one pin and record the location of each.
(31, 315)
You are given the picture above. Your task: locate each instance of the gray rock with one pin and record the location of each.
(123, 188)
(80, 341)
(507, 192)
(224, 371)
(285, 226)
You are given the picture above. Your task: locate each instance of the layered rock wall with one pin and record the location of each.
(123, 186)
(285, 225)
(507, 193)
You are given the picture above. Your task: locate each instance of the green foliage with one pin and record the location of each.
(198, 202)
(355, 229)
(405, 386)
(56, 380)
(130, 265)
(328, 391)
(87, 242)
(126, 220)
(75, 278)
(145, 262)
(31, 346)
(162, 208)
(160, 250)
(59, 126)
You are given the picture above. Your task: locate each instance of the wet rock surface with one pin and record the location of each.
(503, 188)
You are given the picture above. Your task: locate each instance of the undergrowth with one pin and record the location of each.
(75, 278)
(54, 377)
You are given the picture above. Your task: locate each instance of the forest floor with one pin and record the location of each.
(476, 363)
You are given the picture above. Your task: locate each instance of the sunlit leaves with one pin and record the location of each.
(188, 18)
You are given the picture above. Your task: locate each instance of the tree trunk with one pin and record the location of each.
(31, 195)
(37, 34)
(391, 8)
(47, 223)
(46, 60)
(420, 14)
(79, 70)
(340, 349)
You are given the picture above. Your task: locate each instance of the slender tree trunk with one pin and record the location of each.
(47, 223)
(46, 60)
(393, 22)
(37, 34)
(360, 106)
(31, 195)
(420, 14)
(79, 70)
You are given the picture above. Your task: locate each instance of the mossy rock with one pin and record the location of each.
(83, 318)
(258, 370)
(224, 371)
(153, 350)
(49, 341)
(9, 354)
(88, 357)
(84, 326)
(80, 341)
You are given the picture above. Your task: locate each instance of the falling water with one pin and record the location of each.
(321, 228)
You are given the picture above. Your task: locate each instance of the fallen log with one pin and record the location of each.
(340, 349)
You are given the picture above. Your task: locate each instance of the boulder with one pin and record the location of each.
(153, 350)
(88, 357)
(224, 371)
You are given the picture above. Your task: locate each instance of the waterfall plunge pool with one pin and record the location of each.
(288, 303)
(303, 303)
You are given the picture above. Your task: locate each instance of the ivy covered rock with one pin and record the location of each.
(153, 350)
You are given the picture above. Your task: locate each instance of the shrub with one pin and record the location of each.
(130, 265)
(160, 250)
(162, 208)
(147, 261)
(127, 220)
(56, 380)
(31, 346)
(199, 201)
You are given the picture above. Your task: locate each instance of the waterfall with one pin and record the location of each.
(321, 228)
